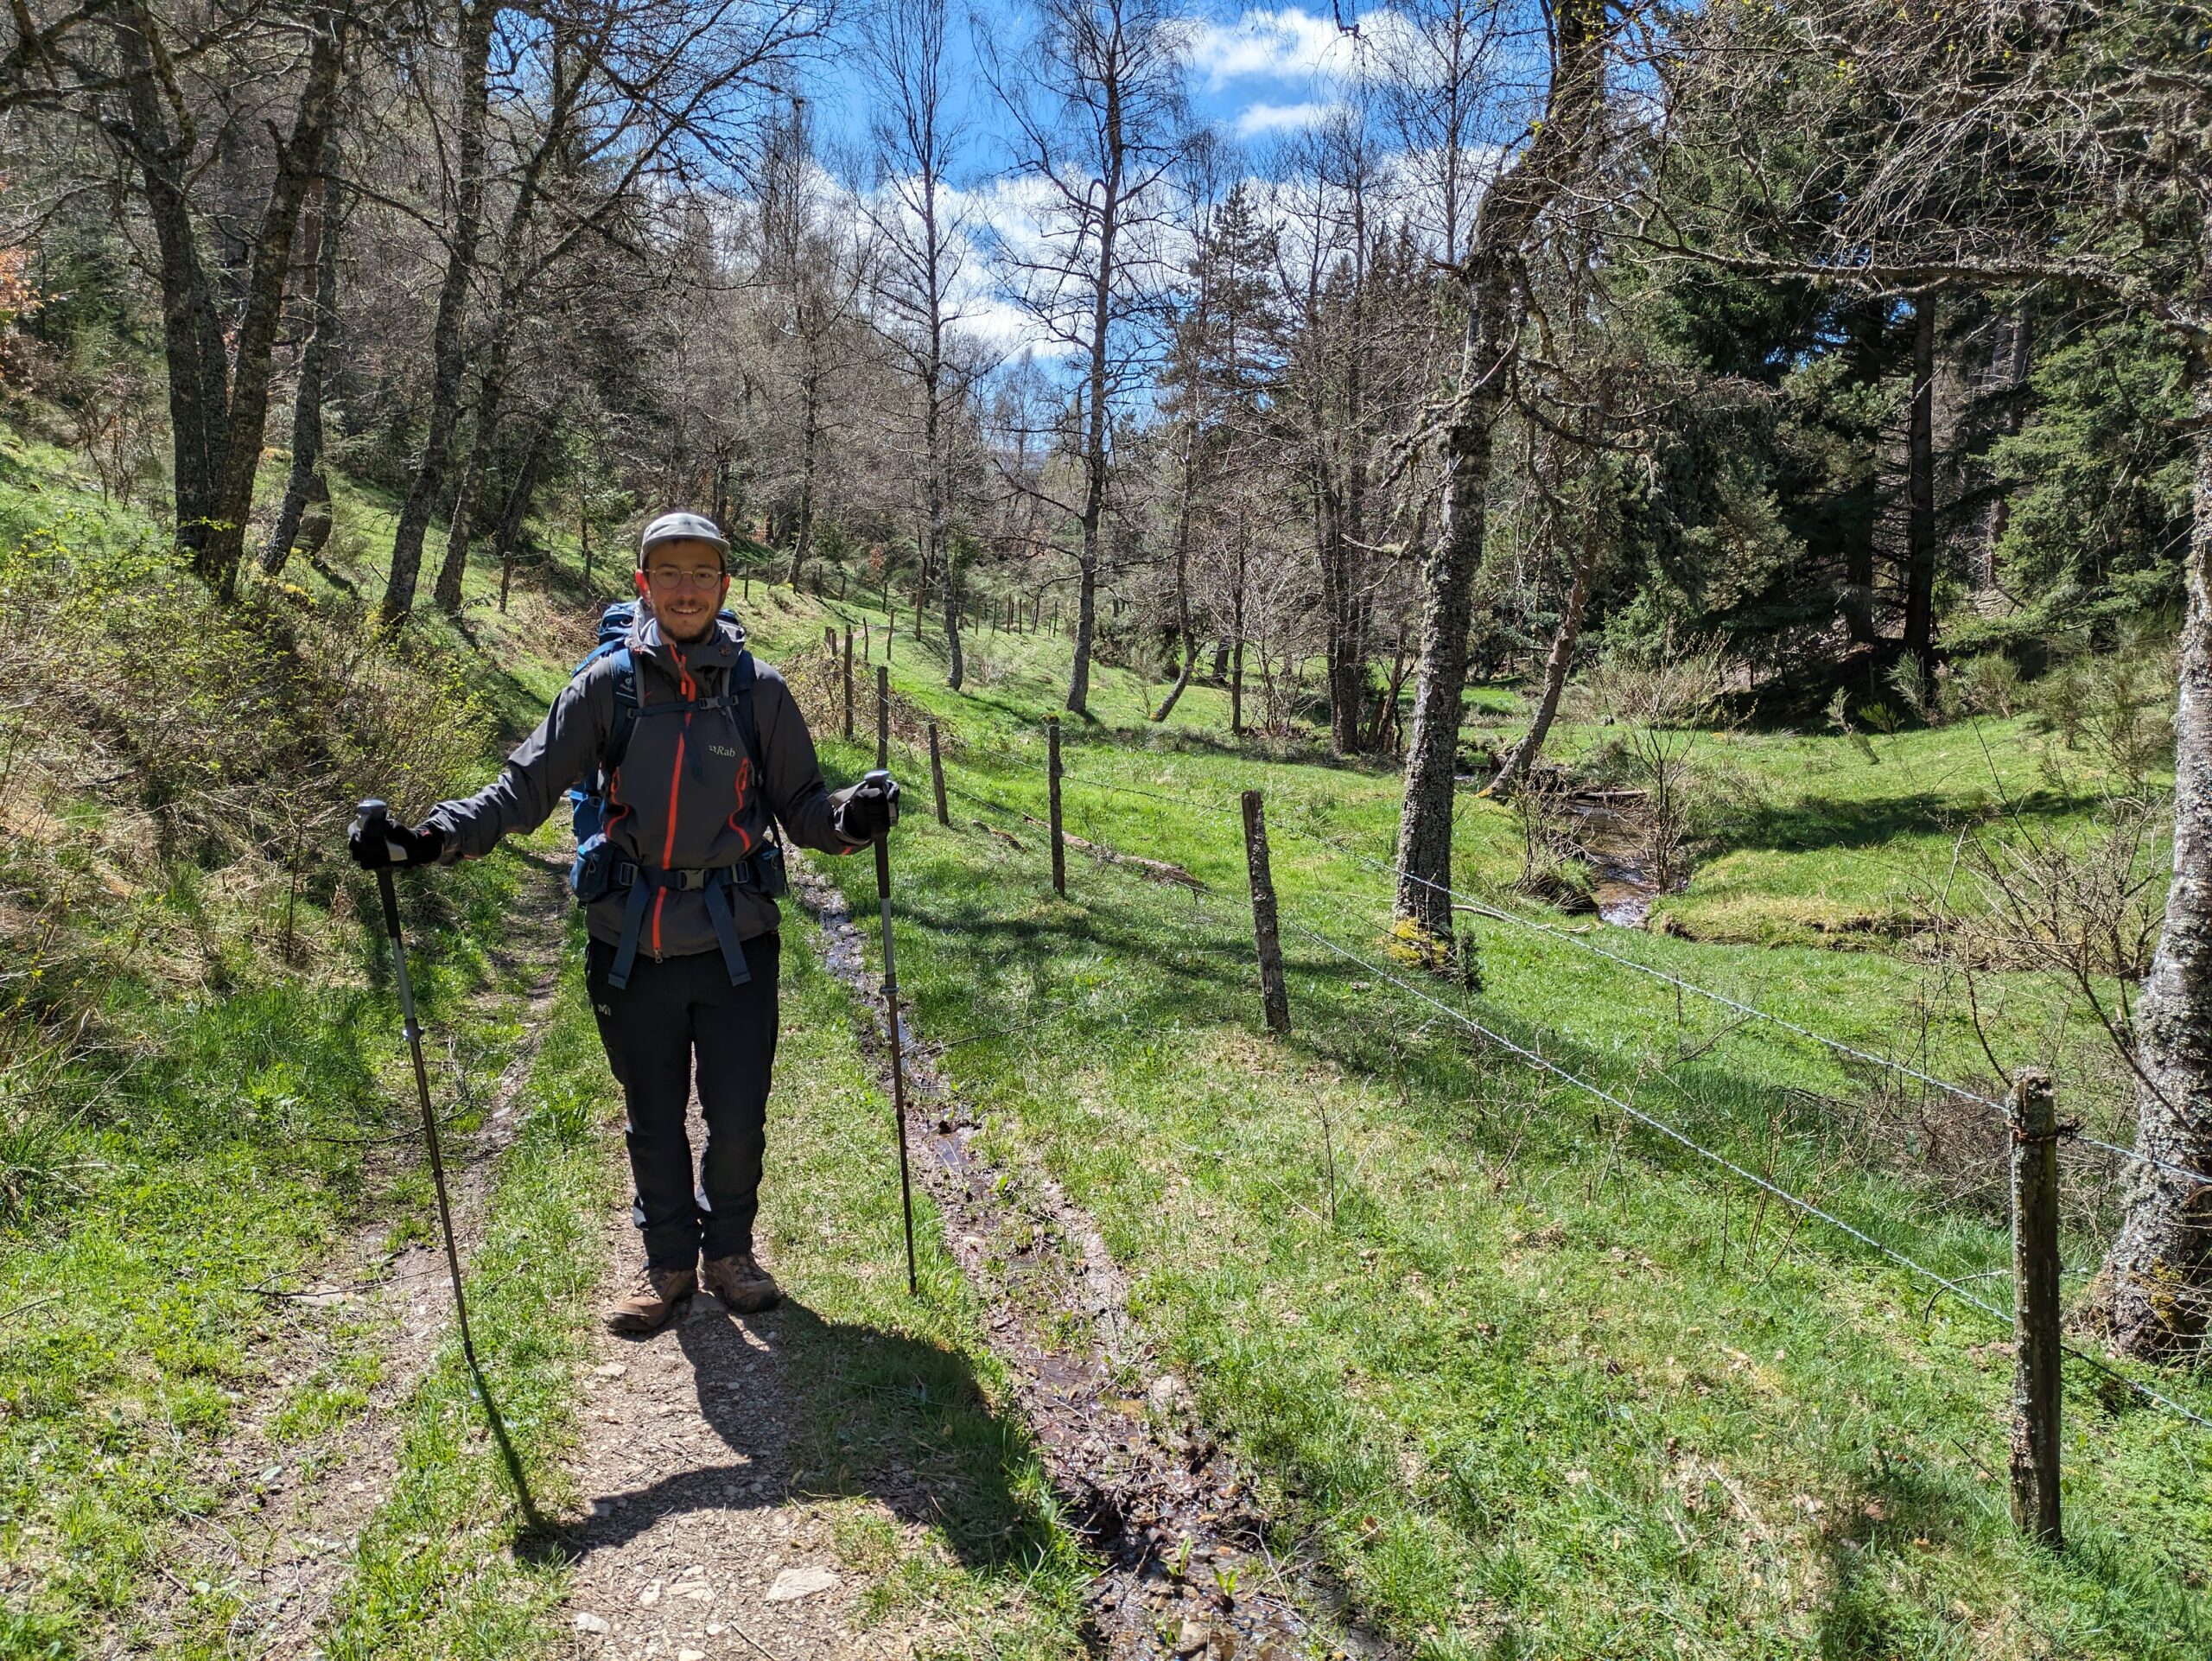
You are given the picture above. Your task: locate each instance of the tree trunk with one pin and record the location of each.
(1094, 437)
(1920, 492)
(956, 668)
(192, 331)
(1345, 650)
(1508, 216)
(1447, 583)
(1345, 612)
(1236, 640)
(307, 403)
(299, 160)
(1182, 598)
(803, 537)
(446, 343)
(518, 505)
(452, 570)
(2159, 1272)
(1523, 756)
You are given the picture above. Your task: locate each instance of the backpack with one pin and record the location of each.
(588, 796)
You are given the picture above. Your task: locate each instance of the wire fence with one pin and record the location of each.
(1211, 909)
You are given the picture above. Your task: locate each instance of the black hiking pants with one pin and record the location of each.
(679, 1016)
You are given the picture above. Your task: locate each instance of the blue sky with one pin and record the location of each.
(1255, 73)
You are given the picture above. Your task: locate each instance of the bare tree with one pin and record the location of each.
(923, 232)
(158, 90)
(1095, 99)
(813, 268)
(323, 239)
(619, 101)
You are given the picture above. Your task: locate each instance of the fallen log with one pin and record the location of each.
(1159, 870)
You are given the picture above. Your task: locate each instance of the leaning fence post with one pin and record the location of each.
(848, 680)
(937, 777)
(1052, 786)
(883, 715)
(1274, 995)
(2036, 1353)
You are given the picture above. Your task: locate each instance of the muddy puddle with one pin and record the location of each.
(1192, 1568)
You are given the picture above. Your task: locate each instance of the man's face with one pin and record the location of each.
(684, 580)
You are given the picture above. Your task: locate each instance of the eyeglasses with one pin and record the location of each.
(669, 576)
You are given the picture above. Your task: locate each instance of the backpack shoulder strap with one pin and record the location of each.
(742, 679)
(625, 709)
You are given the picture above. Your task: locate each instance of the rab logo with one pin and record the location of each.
(722, 749)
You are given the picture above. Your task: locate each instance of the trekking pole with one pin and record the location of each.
(372, 818)
(897, 1050)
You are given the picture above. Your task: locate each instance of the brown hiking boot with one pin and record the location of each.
(651, 1301)
(740, 1282)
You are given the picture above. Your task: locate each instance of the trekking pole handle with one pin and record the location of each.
(371, 817)
(881, 776)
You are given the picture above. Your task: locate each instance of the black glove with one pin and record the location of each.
(870, 808)
(397, 846)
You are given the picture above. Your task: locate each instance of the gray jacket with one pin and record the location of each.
(684, 798)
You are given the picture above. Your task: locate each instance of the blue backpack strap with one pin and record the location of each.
(741, 679)
(714, 886)
(625, 710)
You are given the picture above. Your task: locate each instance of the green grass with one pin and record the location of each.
(1537, 1382)
(450, 1566)
(896, 1388)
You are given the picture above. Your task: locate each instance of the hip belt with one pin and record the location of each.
(714, 885)
(600, 870)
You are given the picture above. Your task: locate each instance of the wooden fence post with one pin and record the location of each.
(937, 777)
(883, 715)
(848, 680)
(1274, 994)
(2035, 1352)
(1053, 786)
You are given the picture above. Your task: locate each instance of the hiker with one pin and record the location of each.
(686, 745)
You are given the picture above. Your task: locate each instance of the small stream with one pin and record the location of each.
(1613, 842)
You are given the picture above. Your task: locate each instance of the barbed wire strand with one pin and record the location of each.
(1690, 1143)
(1482, 908)
(1751, 1011)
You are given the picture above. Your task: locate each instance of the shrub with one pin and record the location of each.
(1987, 685)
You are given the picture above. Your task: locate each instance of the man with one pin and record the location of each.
(693, 746)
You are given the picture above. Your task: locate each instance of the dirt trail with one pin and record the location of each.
(694, 1546)
(1189, 1568)
(290, 1507)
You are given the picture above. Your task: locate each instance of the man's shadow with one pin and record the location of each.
(871, 1412)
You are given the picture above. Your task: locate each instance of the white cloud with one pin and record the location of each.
(1258, 119)
(1288, 44)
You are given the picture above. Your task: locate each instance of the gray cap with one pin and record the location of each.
(682, 527)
